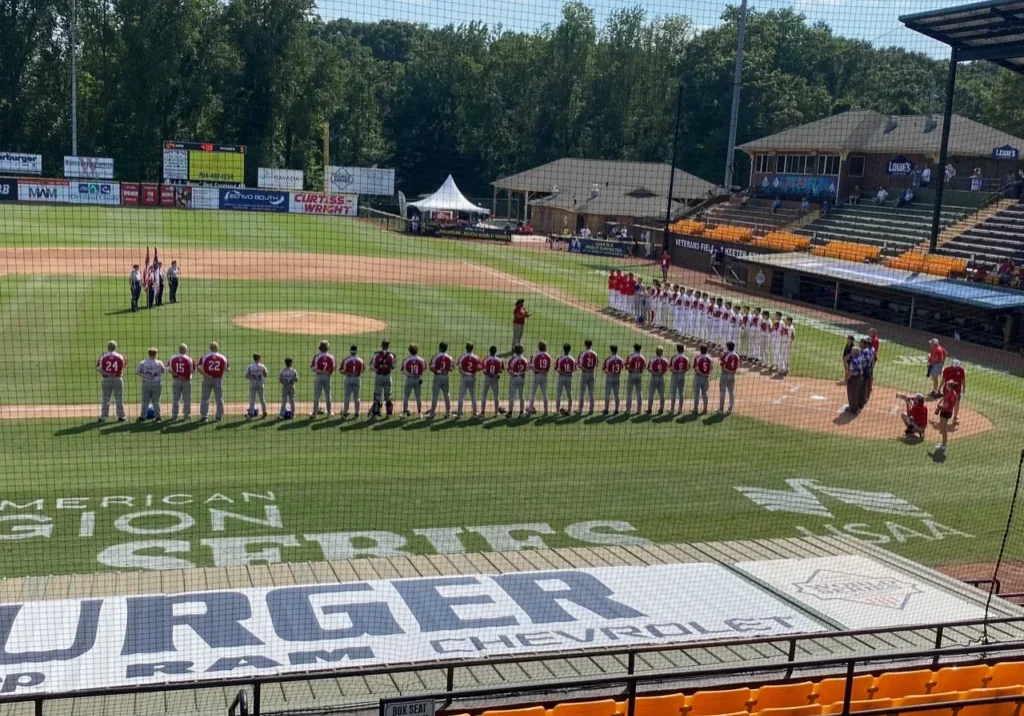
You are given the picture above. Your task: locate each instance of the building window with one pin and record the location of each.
(794, 164)
(828, 166)
(856, 166)
(763, 164)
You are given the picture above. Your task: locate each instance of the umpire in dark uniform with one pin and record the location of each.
(135, 282)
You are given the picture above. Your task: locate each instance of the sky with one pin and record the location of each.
(873, 20)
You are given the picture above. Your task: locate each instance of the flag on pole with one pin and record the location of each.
(145, 272)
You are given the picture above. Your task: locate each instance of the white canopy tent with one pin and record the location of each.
(448, 198)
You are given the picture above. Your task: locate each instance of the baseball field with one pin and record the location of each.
(78, 496)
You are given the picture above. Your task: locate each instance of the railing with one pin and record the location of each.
(786, 646)
(989, 199)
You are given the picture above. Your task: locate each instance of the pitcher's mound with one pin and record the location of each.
(309, 323)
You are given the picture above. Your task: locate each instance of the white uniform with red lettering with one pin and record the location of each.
(730, 363)
(587, 363)
(413, 368)
(565, 366)
(679, 365)
(540, 364)
(110, 366)
(786, 338)
(181, 367)
(754, 336)
(776, 340)
(322, 365)
(743, 346)
(256, 374)
(151, 373)
(213, 366)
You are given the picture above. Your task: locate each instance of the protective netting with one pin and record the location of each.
(423, 298)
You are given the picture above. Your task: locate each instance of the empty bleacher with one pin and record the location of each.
(757, 215)
(997, 238)
(893, 230)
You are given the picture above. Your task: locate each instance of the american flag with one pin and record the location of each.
(145, 272)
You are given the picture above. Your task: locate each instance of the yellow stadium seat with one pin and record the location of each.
(671, 705)
(828, 691)
(1009, 673)
(808, 710)
(897, 684)
(531, 711)
(783, 696)
(922, 699)
(706, 703)
(606, 707)
(1010, 708)
(855, 706)
(959, 678)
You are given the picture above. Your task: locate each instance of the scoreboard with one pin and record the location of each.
(204, 163)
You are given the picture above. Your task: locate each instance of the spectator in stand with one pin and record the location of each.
(1009, 185)
(1006, 270)
(905, 198)
(916, 417)
(1020, 183)
(777, 204)
(805, 206)
(950, 173)
(976, 179)
(926, 176)
(855, 195)
(881, 196)
(825, 207)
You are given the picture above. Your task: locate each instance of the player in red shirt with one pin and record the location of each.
(679, 365)
(322, 365)
(666, 263)
(519, 316)
(441, 366)
(658, 367)
(540, 364)
(352, 367)
(413, 368)
(702, 369)
(612, 369)
(181, 368)
(110, 366)
(565, 366)
(382, 363)
(212, 366)
(936, 359)
(635, 366)
(613, 288)
(955, 373)
(492, 368)
(587, 363)
(517, 367)
(469, 366)
(945, 408)
(876, 344)
(730, 363)
(916, 417)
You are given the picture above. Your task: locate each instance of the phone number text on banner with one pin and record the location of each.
(331, 204)
(254, 200)
(79, 644)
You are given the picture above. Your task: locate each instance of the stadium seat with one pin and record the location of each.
(897, 684)
(1009, 673)
(530, 711)
(865, 705)
(1009, 708)
(706, 703)
(828, 691)
(605, 707)
(922, 699)
(783, 696)
(959, 678)
(808, 710)
(671, 705)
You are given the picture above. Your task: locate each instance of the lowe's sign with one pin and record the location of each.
(74, 644)
(899, 166)
(1006, 152)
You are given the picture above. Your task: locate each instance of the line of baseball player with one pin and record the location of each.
(214, 365)
(707, 319)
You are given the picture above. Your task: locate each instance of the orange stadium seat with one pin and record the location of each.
(1010, 708)
(896, 684)
(530, 711)
(855, 706)
(671, 705)
(922, 699)
(828, 691)
(1010, 673)
(605, 707)
(808, 710)
(706, 703)
(783, 696)
(959, 678)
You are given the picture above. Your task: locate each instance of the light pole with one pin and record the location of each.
(737, 80)
(74, 79)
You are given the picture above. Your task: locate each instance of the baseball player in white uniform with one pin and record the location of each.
(150, 371)
(788, 335)
(256, 374)
(288, 377)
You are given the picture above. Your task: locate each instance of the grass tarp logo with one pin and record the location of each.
(830, 585)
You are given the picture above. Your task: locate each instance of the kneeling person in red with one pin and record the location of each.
(916, 417)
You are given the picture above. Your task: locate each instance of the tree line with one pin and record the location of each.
(472, 100)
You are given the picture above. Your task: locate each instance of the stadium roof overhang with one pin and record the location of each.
(991, 30)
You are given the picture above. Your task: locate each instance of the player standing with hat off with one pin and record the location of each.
(212, 366)
(322, 365)
(492, 368)
(256, 374)
(730, 363)
(635, 366)
(181, 367)
(352, 367)
(413, 368)
(658, 367)
(517, 367)
(612, 369)
(702, 369)
(519, 316)
(565, 366)
(679, 365)
(587, 363)
(469, 366)
(288, 377)
(110, 366)
(382, 363)
(441, 365)
(150, 371)
(540, 364)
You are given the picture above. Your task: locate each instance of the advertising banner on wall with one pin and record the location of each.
(19, 163)
(1006, 152)
(150, 194)
(899, 167)
(95, 192)
(287, 179)
(361, 180)
(205, 198)
(46, 190)
(167, 195)
(88, 168)
(8, 189)
(332, 204)
(254, 200)
(799, 185)
(594, 247)
(130, 194)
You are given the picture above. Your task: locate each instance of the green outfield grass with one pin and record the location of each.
(670, 480)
